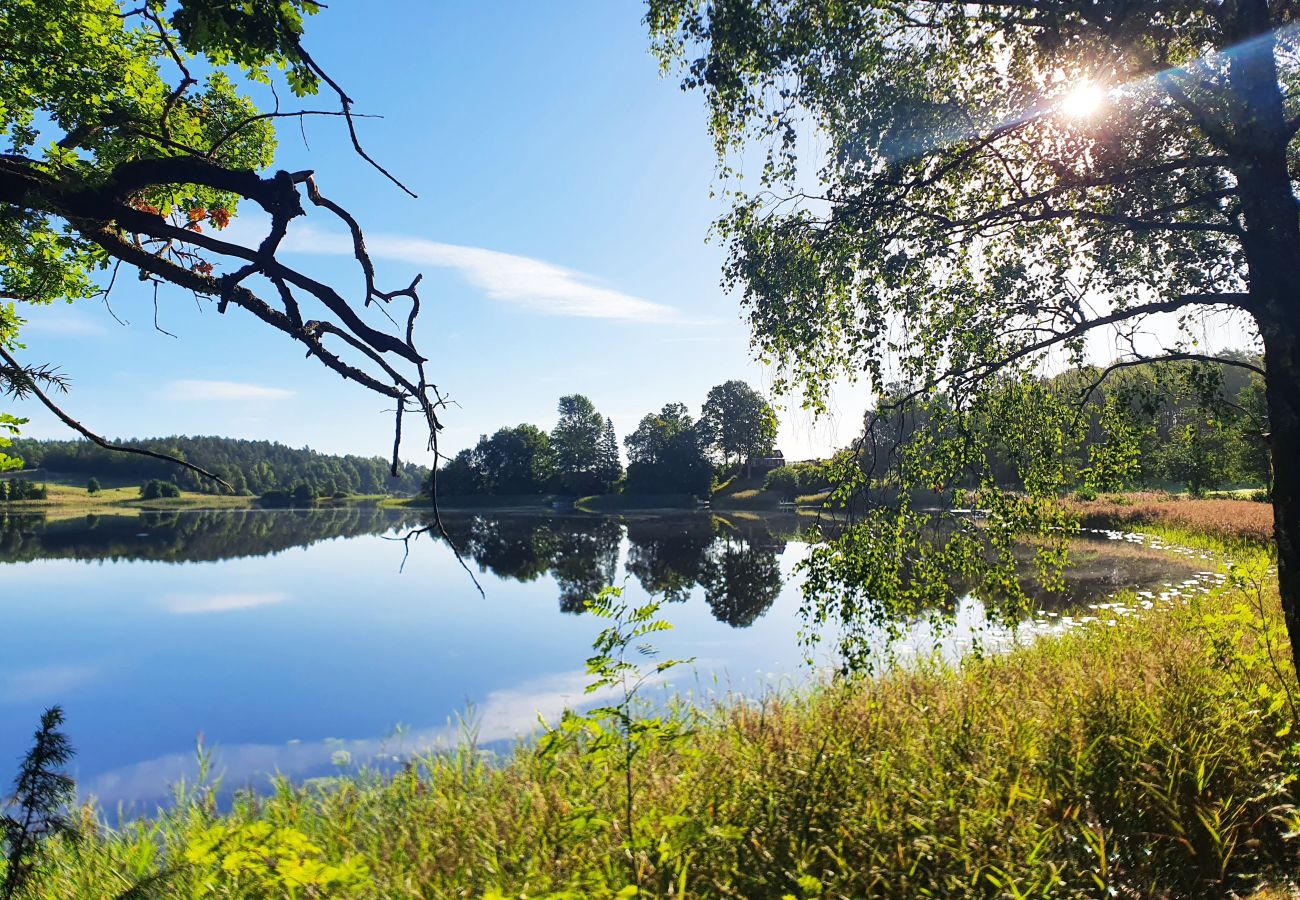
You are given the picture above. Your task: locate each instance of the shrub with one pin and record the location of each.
(20, 489)
(275, 499)
(156, 489)
(42, 792)
(784, 480)
(799, 478)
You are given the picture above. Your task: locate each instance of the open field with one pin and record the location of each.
(1244, 520)
(66, 501)
(1154, 757)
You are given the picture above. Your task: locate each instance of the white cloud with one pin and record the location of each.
(60, 322)
(186, 389)
(532, 284)
(504, 715)
(191, 604)
(44, 682)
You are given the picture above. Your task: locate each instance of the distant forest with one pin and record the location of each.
(251, 467)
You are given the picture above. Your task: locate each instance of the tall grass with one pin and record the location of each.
(1157, 758)
(1244, 520)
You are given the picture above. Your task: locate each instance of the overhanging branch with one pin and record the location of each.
(94, 438)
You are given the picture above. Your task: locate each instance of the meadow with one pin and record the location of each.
(1222, 517)
(65, 500)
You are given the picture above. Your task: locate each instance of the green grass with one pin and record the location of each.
(66, 501)
(745, 493)
(1152, 759)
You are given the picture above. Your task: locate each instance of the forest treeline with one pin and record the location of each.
(251, 467)
(1195, 424)
(1192, 424)
(670, 452)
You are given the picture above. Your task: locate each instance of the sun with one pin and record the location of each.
(1084, 99)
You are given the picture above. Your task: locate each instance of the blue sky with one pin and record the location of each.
(564, 206)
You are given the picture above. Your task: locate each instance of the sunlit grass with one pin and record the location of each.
(1243, 521)
(64, 501)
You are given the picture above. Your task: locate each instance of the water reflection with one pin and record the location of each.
(736, 564)
(733, 561)
(186, 536)
(286, 636)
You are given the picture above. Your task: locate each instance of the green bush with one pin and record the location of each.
(784, 481)
(19, 489)
(275, 499)
(157, 489)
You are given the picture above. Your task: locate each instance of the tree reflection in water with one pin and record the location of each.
(737, 567)
(734, 562)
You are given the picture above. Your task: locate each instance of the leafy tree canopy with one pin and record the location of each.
(994, 182)
(667, 454)
(131, 142)
(576, 444)
(738, 421)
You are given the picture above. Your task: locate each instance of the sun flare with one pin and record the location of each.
(1084, 99)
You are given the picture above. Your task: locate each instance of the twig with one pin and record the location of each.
(103, 442)
(346, 102)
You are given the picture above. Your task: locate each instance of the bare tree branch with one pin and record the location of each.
(103, 442)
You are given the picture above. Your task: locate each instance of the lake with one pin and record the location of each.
(299, 641)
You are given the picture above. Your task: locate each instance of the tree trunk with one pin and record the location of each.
(1282, 361)
(1257, 142)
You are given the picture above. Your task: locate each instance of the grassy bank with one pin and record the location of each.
(1234, 520)
(1154, 758)
(621, 502)
(65, 501)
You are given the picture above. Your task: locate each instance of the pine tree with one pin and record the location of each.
(609, 465)
(41, 795)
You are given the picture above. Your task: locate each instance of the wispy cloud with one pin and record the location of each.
(44, 682)
(186, 389)
(529, 283)
(504, 715)
(61, 323)
(193, 604)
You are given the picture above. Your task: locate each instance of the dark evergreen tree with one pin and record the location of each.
(609, 466)
(42, 792)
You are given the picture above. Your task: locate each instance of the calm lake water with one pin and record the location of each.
(293, 640)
